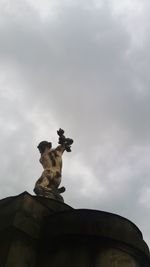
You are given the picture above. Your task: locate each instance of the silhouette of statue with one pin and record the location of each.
(51, 159)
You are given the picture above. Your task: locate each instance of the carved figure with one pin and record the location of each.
(51, 159)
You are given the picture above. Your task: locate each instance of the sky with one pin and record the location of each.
(82, 65)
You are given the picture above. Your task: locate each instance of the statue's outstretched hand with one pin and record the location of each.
(65, 142)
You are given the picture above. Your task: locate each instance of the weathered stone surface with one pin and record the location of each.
(117, 258)
(37, 231)
(20, 228)
(106, 240)
(96, 223)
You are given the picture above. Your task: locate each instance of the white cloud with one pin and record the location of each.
(80, 71)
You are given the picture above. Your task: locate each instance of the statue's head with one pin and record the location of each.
(42, 145)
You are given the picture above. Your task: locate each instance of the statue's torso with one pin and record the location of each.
(52, 160)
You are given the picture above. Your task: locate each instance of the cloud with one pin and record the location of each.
(79, 66)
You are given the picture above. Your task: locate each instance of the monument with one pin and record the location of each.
(43, 231)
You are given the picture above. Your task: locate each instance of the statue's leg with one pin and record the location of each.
(41, 184)
(38, 190)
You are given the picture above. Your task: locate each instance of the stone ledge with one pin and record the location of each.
(26, 212)
(95, 224)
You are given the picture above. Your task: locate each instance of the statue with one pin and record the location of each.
(51, 159)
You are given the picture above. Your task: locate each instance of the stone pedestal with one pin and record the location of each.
(36, 231)
(21, 223)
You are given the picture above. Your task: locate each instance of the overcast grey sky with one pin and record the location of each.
(82, 65)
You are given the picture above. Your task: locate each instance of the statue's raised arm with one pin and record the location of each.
(65, 143)
(51, 159)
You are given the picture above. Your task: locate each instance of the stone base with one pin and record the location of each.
(37, 231)
(21, 221)
(84, 238)
(49, 193)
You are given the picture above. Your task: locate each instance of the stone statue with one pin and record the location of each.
(51, 159)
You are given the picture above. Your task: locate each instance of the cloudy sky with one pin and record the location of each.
(83, 65)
